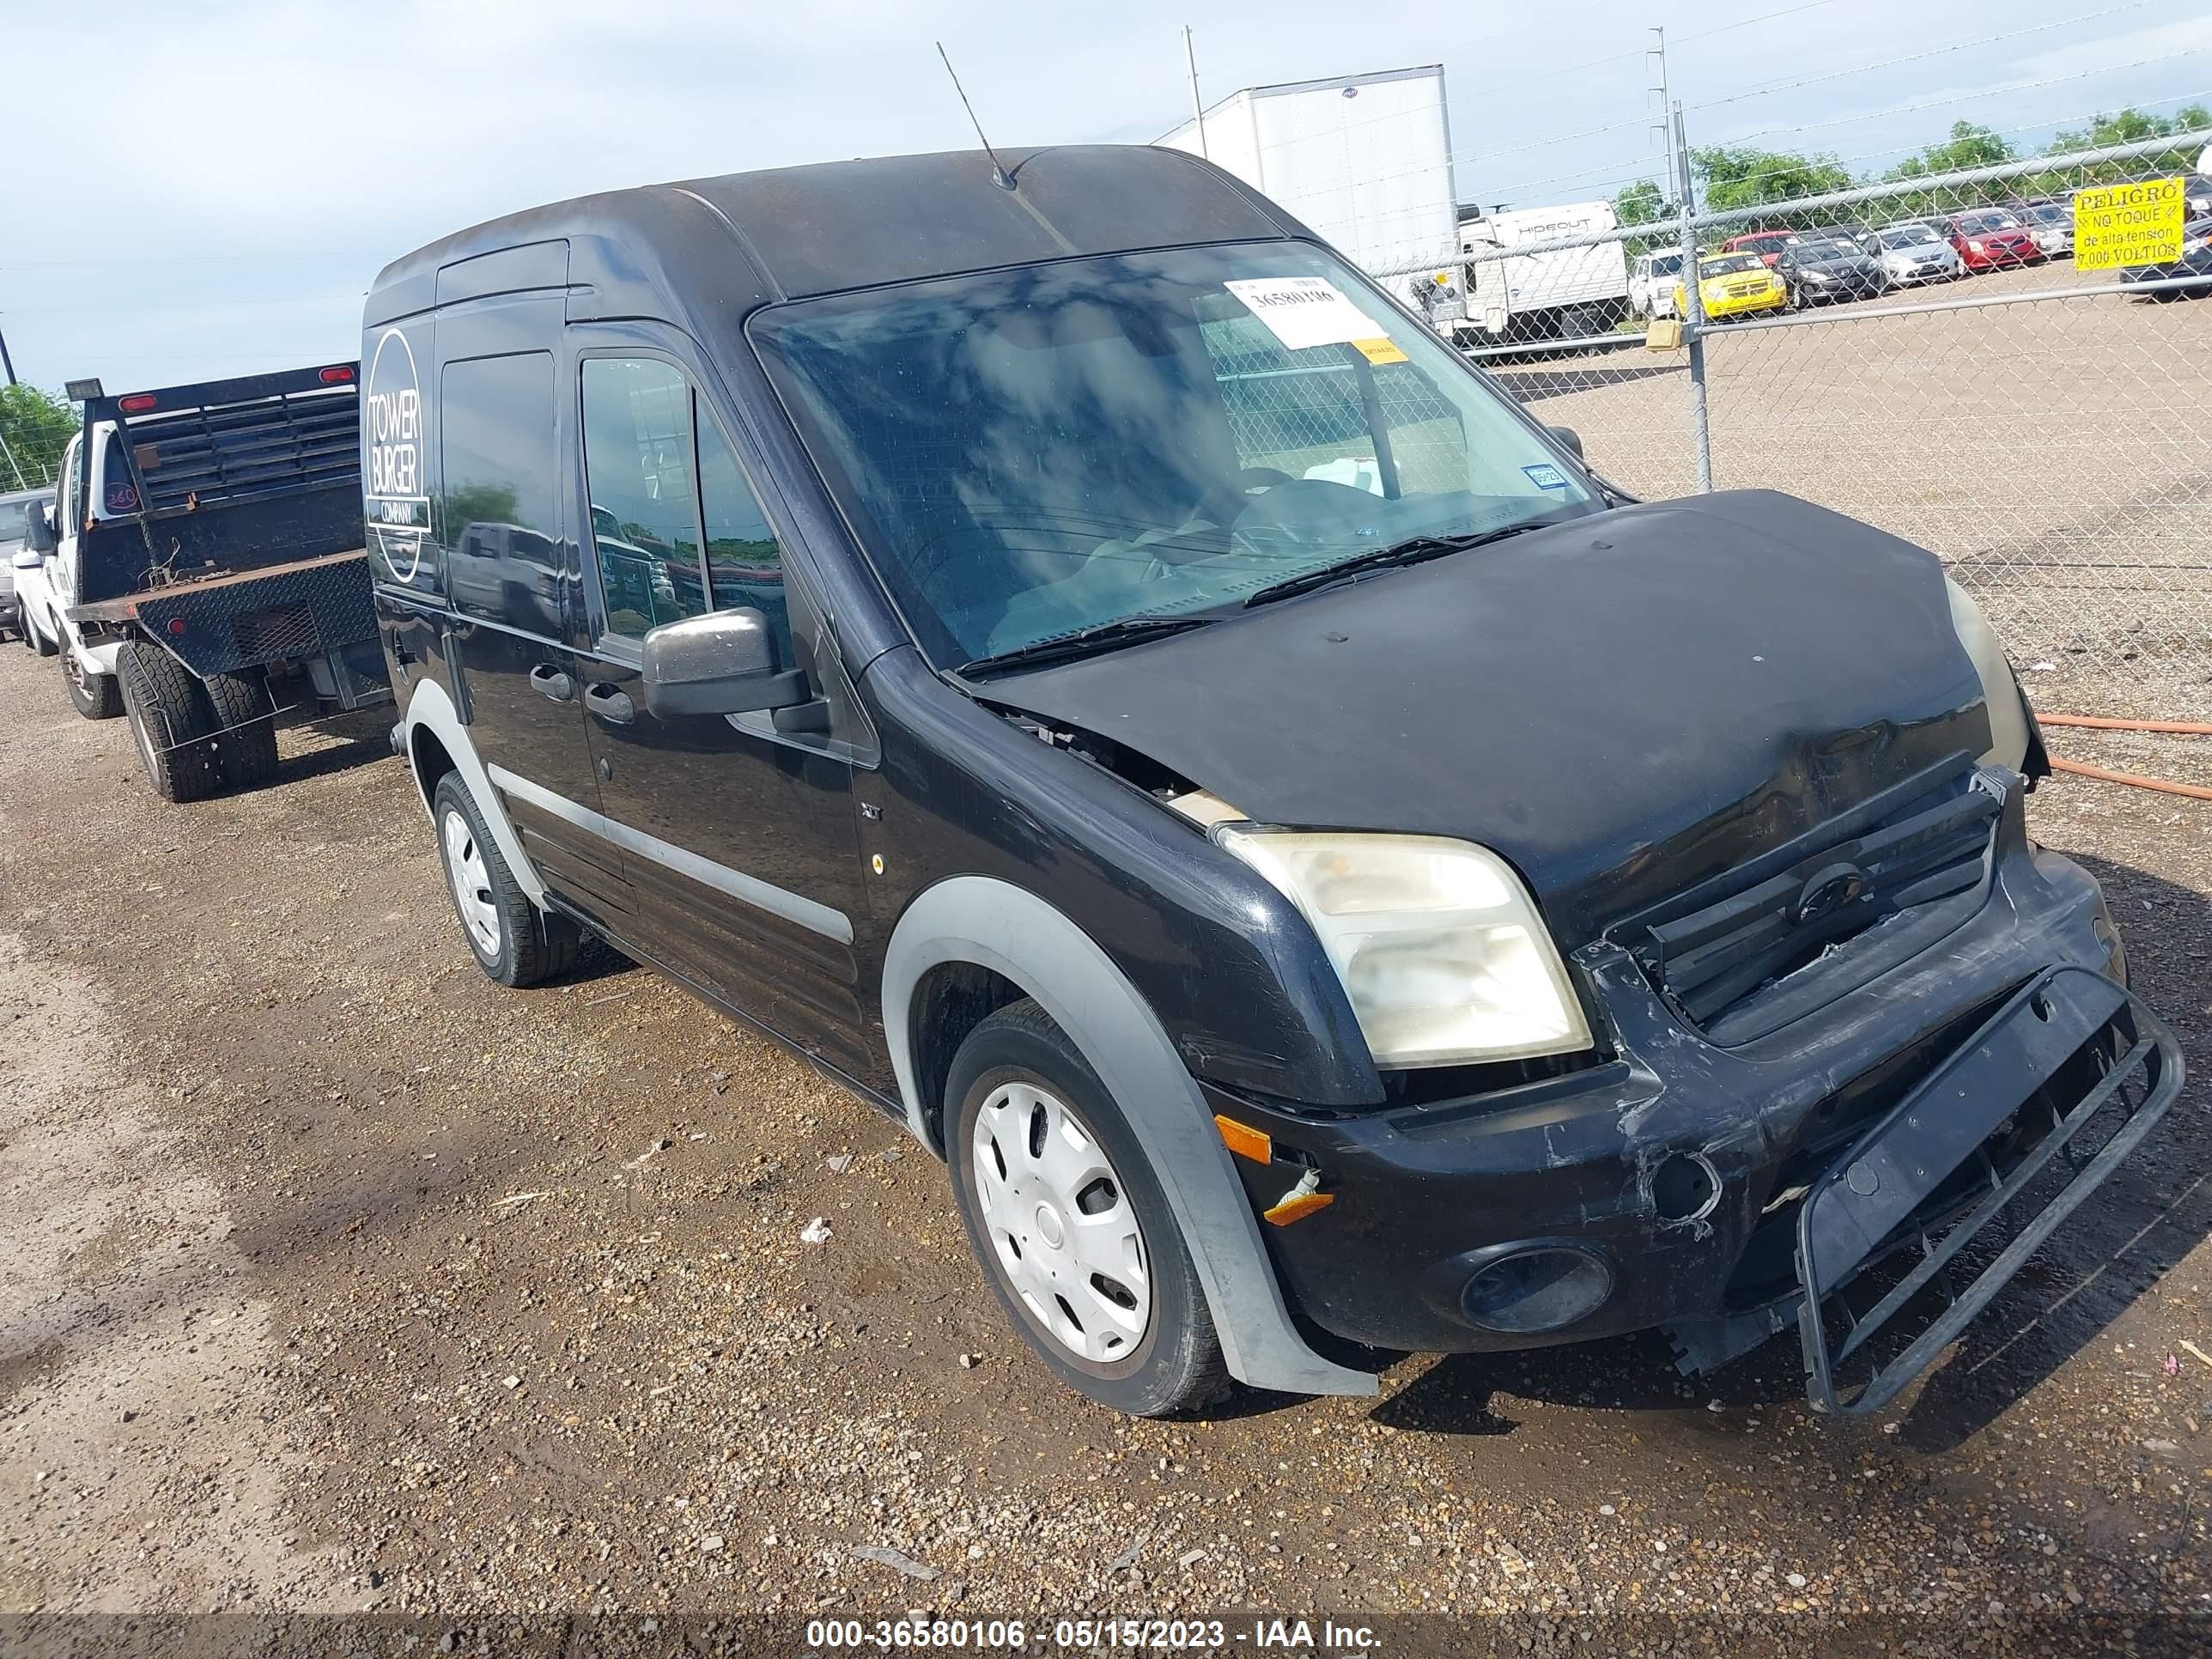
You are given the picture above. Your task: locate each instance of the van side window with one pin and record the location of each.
(744, 565)
(638, 465)
(498, 513)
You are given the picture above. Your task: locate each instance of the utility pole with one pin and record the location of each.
(1197, 109)
(1664, 127)
(7, 361)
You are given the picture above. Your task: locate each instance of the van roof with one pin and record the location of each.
(749, 238)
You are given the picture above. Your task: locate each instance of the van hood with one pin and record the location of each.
(1621, 705)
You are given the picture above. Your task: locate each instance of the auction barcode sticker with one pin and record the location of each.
(2137, 224)
(1305, 311)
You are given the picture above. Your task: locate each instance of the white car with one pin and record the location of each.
(1651, 284)
(1912, 251)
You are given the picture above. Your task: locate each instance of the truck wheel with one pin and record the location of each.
(169, 716)
(1068, 1221)
(96, 696)
(514, 941)
(244, 729)
(38, 641)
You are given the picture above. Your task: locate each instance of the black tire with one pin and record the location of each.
(96, 696)
(1177, 1364)
(533, 945)
(36, 641)
(170, 718)
(245, 728)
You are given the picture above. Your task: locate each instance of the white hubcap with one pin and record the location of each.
(464, 867)
(1061, 1223)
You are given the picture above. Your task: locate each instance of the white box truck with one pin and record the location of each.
(1563, 294)
(1365, 160)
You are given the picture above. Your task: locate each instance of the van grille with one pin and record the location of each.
(1713, 951)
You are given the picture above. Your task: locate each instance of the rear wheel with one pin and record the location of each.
(1070, 1223)
(245, 728)
(170, 717)
(96, 696)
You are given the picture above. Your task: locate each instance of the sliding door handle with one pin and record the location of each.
(550, 681)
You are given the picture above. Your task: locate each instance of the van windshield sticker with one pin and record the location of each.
(1546, 476)
(1305, 311)
(394, 501)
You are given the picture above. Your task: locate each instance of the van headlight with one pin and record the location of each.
(1438, 945)
(2000, 689)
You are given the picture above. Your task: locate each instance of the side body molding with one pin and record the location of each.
(430, 709)
(996, 925)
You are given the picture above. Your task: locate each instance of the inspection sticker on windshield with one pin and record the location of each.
(2128, 225)
(1306, 310)
(1544, 476)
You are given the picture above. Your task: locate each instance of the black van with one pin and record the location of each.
(1327, 871)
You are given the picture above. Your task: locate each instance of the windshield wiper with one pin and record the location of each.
(1417, 550)
(1087, 642)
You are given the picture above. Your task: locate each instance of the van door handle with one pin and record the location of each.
(548, 681)
(610, 705)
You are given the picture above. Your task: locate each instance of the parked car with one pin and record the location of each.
(1766, 244)
(1078, 770)
(1732, 285)
(1652, 283)
(13, 506)
(1912, 252)
(1990, 238)
(2051, 225)
(2196, 260)
(1818, 269)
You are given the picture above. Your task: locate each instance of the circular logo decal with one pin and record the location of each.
(394, 501)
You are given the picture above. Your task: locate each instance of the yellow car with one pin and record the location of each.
(1734, 285)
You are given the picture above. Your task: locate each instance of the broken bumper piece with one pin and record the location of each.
(2003, 1141)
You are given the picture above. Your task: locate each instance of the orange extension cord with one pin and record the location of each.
(2134, 780)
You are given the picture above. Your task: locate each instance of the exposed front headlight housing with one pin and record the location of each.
(1439, 946)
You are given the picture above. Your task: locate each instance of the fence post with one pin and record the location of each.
(1693, 311)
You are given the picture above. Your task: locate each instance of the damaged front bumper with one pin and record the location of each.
(1730, 1194)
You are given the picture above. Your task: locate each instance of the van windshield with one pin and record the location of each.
(1027, 454)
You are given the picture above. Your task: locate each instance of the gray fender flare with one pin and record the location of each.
(429, 707)
(993, 924)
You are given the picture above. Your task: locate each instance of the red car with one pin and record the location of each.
(1990, 238)
(1766, 244)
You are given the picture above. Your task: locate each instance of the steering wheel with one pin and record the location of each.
(1225, 501)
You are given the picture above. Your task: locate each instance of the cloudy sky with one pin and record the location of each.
(205, 187)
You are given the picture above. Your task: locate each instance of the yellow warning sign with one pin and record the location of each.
(1379, 351)
(2135, 224)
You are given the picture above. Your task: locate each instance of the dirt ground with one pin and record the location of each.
(335, 1278)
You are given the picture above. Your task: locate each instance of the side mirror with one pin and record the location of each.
(37, 531)
(1570, 437)
(27, 558)
(723, 663)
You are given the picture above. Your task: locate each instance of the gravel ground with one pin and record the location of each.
(336, 1278)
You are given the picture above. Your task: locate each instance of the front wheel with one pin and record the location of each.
(38, 641)
(96, 696)
(1070, 1223)
(512, 941)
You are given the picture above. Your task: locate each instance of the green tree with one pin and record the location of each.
(35, 425)
(1742, 177)
(2128, 126)
(1640, 203)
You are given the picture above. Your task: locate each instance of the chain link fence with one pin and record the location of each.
(1924, 355)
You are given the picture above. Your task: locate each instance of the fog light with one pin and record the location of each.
(1536, 1287)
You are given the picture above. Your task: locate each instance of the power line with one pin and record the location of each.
(1918, 57)
(1707, 34)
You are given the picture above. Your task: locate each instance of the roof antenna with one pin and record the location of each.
(998, 174)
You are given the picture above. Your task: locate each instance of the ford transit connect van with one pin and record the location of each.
(1328, 873)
